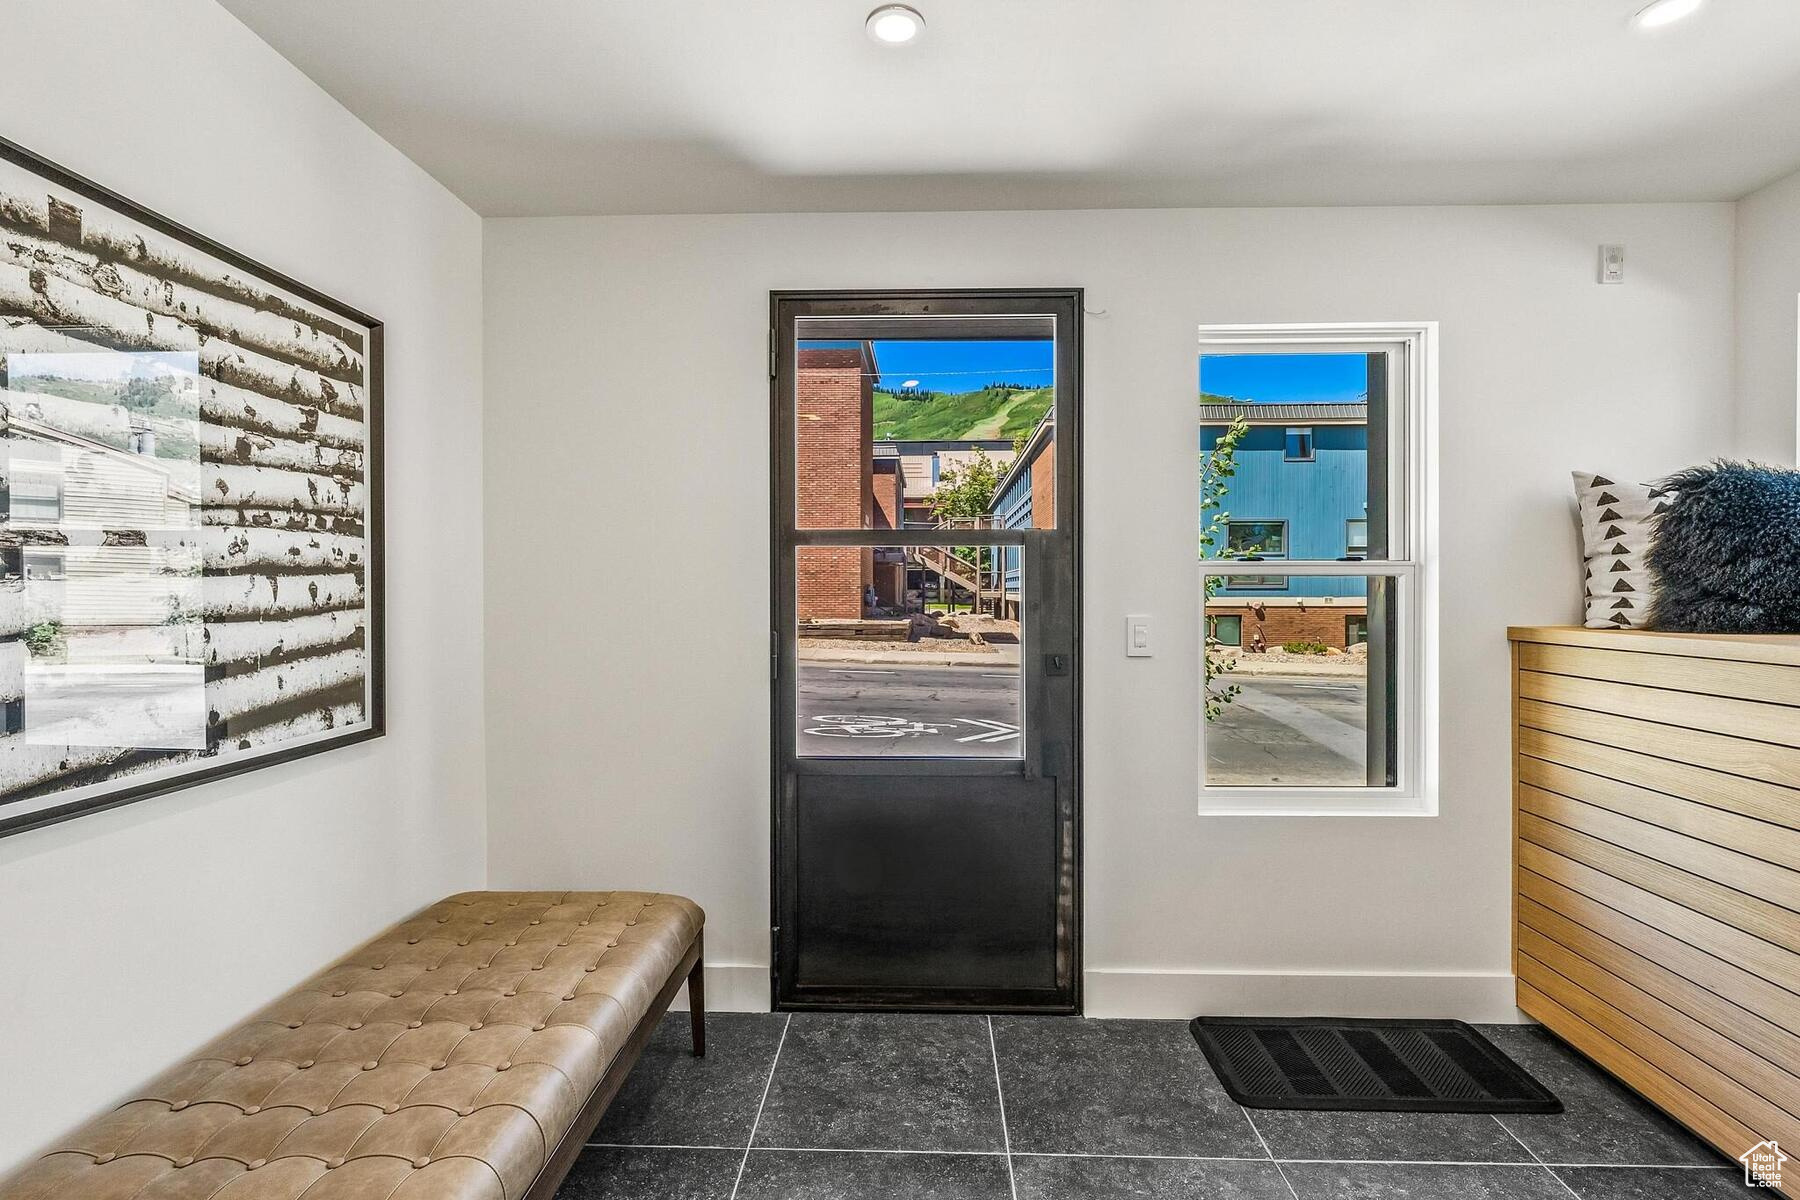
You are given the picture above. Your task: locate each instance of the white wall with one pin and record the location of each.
(132, 936)
(1768, 316)
(628, 554)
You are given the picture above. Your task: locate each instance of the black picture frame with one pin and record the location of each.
(182, 775)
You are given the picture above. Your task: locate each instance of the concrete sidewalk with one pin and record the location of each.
(896, 656)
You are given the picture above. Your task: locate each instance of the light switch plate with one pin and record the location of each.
(1137, 636)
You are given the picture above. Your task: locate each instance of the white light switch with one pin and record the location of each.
(1137, 637)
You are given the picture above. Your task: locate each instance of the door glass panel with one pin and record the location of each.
(925, 423)
(908, 651)
(1291, 672)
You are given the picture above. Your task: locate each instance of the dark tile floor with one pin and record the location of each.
(833, 1107)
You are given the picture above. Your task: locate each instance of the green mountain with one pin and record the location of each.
(992, 413)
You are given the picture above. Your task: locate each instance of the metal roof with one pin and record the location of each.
(1284, 414)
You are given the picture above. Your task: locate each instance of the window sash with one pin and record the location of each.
(1408, 687)
(1395, 411)
(1356, 567)
(1404, 529)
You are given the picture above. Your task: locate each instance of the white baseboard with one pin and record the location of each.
(1111, 992)
(732, 987)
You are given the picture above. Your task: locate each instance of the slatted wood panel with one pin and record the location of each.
(1710, 677)
(1657, 867)
(1767, 802)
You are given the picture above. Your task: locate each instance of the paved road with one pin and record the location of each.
(904, 710)
(1292, 730)
(1280, 730)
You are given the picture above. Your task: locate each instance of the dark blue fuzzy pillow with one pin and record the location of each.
(1726, 552)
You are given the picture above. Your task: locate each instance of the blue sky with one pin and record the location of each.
(1286, 378)
(965, 366)
(961, 366)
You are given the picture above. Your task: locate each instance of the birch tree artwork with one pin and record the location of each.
(188, 544)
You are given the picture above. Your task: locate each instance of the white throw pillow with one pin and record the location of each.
(1617, 520)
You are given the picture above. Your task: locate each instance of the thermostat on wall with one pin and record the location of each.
(1612, 264)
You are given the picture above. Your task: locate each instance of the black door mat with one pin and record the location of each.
(1352, 1065)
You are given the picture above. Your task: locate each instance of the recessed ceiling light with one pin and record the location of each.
(1665, 12)
(897, 25)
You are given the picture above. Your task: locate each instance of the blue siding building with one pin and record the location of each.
(1014, 508)
(1300, 490)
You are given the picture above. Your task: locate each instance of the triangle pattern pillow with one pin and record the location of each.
(1617, 520)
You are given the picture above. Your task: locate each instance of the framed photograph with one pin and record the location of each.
(190, 506)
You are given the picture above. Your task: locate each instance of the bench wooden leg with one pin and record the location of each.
(696, 986)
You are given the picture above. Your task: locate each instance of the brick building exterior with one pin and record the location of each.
(1043, 482)
(840, 484)
(1338, 622)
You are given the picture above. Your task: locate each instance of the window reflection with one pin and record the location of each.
(102, 640)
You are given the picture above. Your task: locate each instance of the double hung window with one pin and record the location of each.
(1313, 541)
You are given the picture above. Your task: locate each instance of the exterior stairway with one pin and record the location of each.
(952, 568)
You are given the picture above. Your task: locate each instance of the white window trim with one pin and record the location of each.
(1413, 502)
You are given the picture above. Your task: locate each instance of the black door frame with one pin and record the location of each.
(1051, 608)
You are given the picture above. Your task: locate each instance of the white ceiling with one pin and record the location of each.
(533, 107)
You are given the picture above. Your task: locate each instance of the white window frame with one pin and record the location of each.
(1413, 565)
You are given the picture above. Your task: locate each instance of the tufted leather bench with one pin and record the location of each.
(469, 1051)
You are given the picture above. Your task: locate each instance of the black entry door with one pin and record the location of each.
(926, 751)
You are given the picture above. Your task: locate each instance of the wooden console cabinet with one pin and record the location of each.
(1657, 868)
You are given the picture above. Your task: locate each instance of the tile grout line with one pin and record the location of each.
(764, 1103)
(1361, 1162)
(1147, 1157)
(858, 1150)
(1534, 1155)
(1478, 1162)
(1265, 1145)
(1079, 1154)
(651, 1146)
(1000, 1095)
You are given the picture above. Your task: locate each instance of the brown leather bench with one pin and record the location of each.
(469, 1051)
